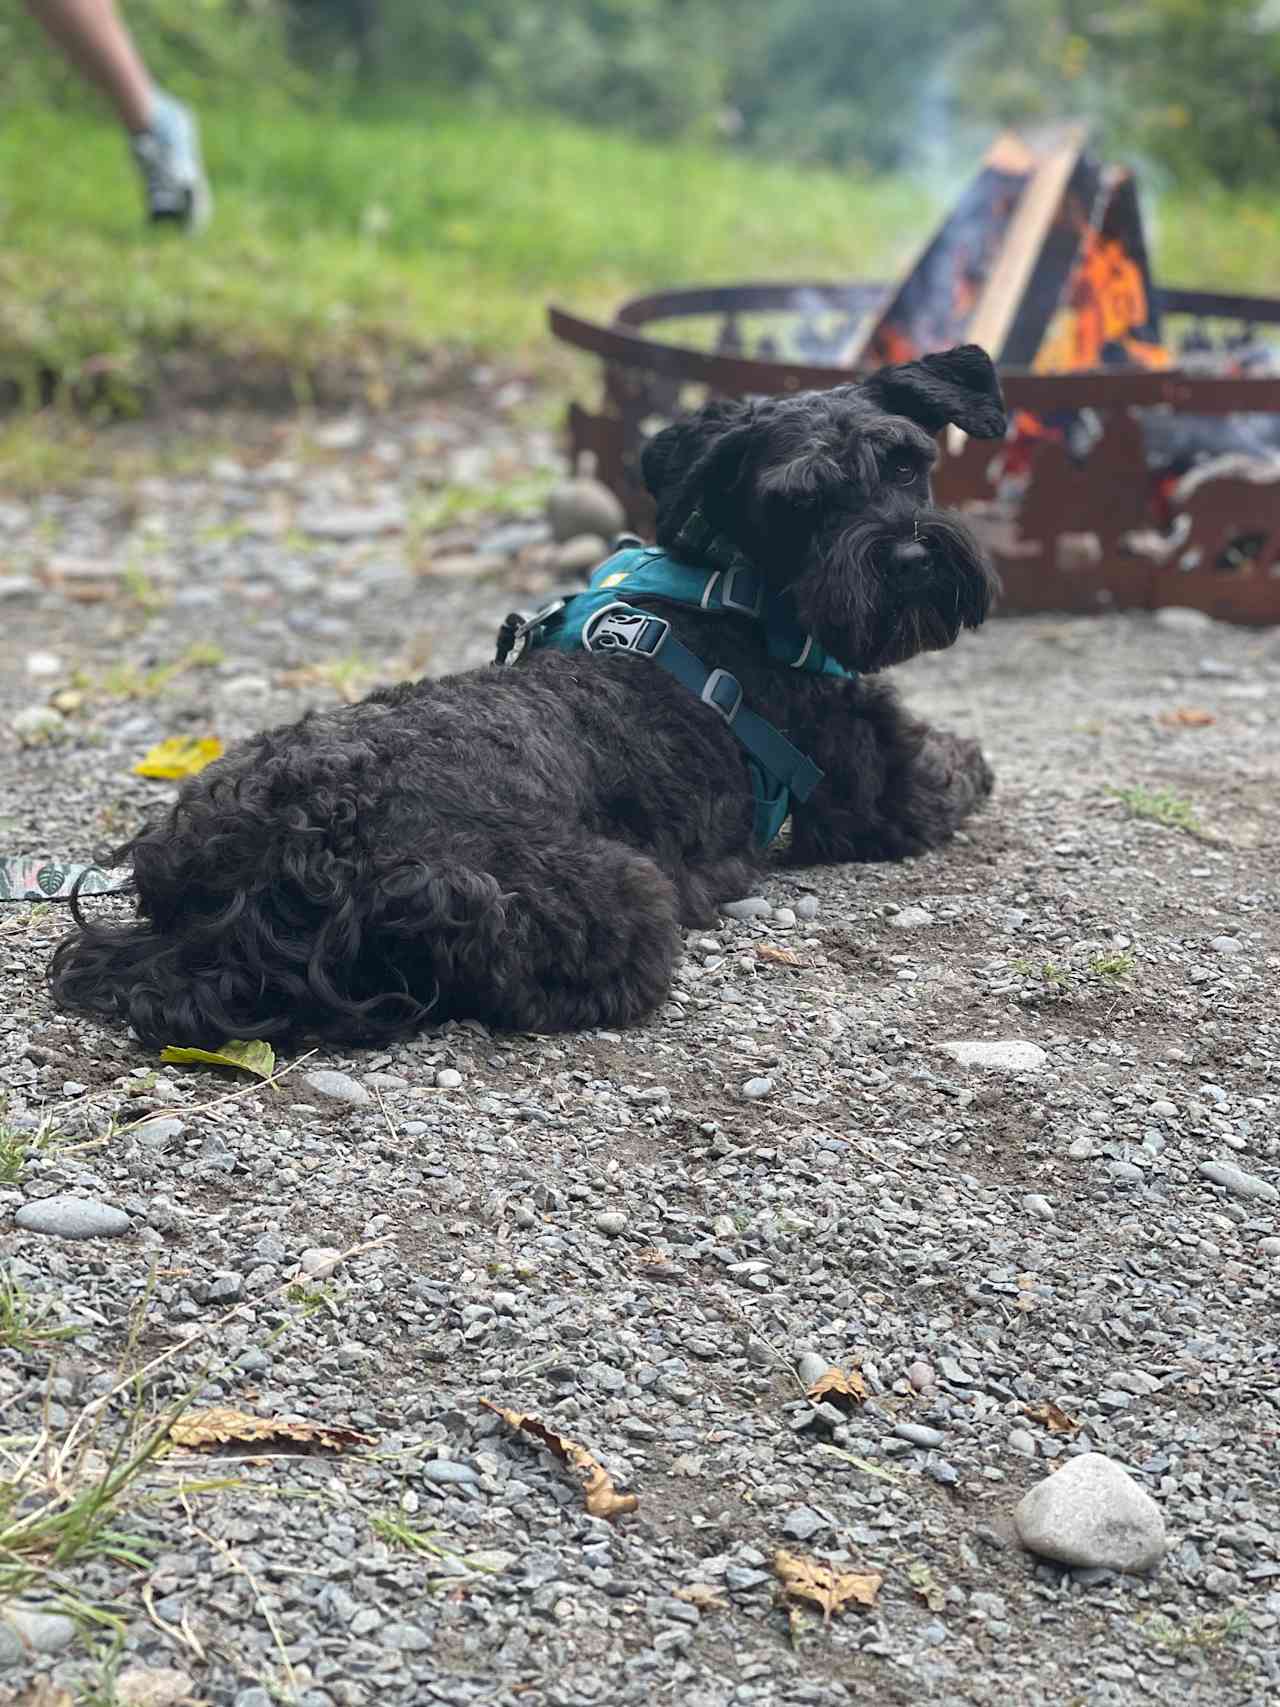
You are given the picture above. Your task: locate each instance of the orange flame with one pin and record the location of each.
(1106, 304)
(891, 345)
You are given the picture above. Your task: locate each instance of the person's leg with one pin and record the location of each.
(93, 36)
(164, 138)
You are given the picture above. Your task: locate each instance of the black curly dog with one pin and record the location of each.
(522, 845)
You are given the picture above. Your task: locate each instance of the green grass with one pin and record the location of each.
(24, 1323)
(356, 241)
(1159, 806)
(335, 238)
(1116, 968)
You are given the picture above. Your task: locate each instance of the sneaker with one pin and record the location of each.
(168, 156)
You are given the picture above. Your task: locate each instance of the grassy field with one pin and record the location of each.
(336, 237)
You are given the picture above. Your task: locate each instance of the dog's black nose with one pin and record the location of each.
(911, 554)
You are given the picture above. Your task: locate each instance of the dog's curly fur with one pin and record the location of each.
(523, 845)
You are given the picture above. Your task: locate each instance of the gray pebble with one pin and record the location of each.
(1237, 1183)
(802, 1523)
(1007, 1055)
(911, 919)
(72, 1218)
(1133, 1381)
(810, 1367)
(581, 554)
(443, 1472)
(337, 1087)
(158, 1133)
(1020, 1440)
(1182, 619)
(319, 1261)
(754, 907)
(740, 1577)
(1082, 1149)
(46, 1632)
(611, 1221)
(757, 1088)
(919, 1435)
(409, 1638)
(1091, 1512)
(1124, 1173)
(583, 505)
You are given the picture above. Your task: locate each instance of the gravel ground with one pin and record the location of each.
(654, 1241)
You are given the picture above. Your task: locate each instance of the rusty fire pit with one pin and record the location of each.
(1151, 479)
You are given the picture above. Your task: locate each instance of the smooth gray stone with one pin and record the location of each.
(72, 1218)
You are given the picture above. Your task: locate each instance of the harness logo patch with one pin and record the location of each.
(614, 580)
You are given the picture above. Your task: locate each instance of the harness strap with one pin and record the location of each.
(623, 628)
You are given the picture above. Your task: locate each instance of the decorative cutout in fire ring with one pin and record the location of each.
(1143, 463)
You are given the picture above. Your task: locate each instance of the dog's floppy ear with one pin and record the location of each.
(670, 455)
(959, 387)
(696, 463)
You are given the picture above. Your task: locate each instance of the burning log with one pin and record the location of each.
(1132, 457)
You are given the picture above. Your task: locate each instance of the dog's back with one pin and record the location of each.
(420, 856)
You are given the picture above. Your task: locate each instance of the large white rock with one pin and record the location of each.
(997, 1055)
(1092, 1513)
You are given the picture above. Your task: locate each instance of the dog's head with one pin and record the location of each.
(827, 494)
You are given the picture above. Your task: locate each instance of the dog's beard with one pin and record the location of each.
(869, 612)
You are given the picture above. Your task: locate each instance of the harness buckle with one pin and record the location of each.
(513, 636)
(739, 582)
(620, 628)
(723, 693)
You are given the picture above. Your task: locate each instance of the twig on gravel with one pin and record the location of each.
(237, 1564)
(391, 1125)
(180, 1635)
(822, 1125)
(205, 1107)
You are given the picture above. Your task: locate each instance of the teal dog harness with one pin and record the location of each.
(602, 620)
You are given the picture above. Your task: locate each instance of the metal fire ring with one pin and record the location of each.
(1103, 528)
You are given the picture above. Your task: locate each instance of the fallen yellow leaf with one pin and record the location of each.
(253, 1057)
(178, 757)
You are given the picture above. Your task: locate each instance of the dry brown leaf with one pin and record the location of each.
(845, 1389)
(703, 1596)
(806, 1579)
(602, 1498)
(203, 1431)
(927, 1586)
(1187, 717)
(1054, 1418)
(659, 1266)
(778, 955)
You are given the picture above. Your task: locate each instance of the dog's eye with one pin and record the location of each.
(903, 473)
